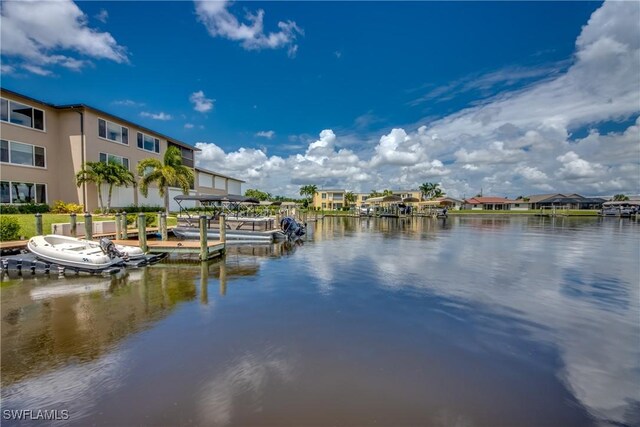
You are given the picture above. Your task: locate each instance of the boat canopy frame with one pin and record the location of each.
(214, 205)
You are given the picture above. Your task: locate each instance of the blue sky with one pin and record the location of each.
(355, 95)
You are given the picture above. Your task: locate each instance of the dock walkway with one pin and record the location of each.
(214, 247)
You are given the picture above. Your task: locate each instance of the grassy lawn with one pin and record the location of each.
(28, 222)
(582, 212)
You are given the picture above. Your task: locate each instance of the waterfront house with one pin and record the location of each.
(544, 201)
(329, 199)
(44, 146)
(488, 203)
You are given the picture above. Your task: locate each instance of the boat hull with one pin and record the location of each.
(71, 252)
(240, 235)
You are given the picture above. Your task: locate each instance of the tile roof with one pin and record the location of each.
(481, 200)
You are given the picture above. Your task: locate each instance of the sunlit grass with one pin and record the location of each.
(28, 222)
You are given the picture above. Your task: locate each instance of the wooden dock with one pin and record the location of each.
(214, 247)
(16, 245)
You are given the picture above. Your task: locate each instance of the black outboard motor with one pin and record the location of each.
(292, 228)
(109, 248)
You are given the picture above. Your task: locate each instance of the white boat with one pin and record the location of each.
(619, 208)
(240, 235)
(81, 254)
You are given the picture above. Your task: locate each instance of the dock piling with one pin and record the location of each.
(163, 226)
(73, 222)
(88, 226)
(38, 224)
(204, 252)
(142, 231)
(118, 226)
(125, 233)
(223, 228)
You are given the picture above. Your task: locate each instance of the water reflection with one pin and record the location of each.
(48, 322)
(570, 283)
(468, 321)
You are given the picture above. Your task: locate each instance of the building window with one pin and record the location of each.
(113, 132)
(148, 143)
(106, 157)
(18, 153)
(337, 196)
(21, 114)
(324, 196)
(22, 192)
(324, 206)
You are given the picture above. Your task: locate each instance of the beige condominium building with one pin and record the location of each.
(329, 199)
(43, 146)
(335, 199)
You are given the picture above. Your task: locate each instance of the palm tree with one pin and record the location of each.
(431, 190)
(349, 198)
(426, 189)
(118, 176)
(387, 193)
(168, 173)
(309, 191)
(95, 173)
(375, 193)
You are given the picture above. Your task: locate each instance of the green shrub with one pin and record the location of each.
(25, 208)
(9, 228)
(132, 219)
(61, 207)
(9, 209)
(141, 208)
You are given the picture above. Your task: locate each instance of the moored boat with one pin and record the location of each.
(235, 235)
(81, 254)
(244, 219)
(619, 208)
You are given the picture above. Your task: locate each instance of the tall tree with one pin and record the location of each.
(620, 198)
(308, 191)
(431, 190)
(257, 194)
(93, 173)
(168, 173)
(387, 193)
(349, 198)
(119, 176)
(111, 173)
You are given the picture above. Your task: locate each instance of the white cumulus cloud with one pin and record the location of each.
(520, 142)
(220, 22)
(200, 102)
(37, 35)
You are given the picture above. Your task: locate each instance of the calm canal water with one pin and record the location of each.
(469, 322)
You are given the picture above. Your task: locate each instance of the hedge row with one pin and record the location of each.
(24, 208)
